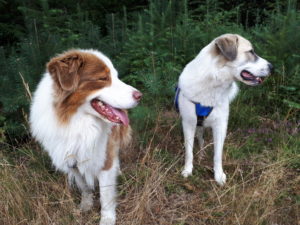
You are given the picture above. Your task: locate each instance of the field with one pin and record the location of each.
(149, 44)
(261, 164)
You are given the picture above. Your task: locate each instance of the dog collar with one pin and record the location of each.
(201, 111)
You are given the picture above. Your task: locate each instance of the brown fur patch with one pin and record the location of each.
(233, 45)
(215, 52)
(227, 46)
(119, 138)
(76, 75)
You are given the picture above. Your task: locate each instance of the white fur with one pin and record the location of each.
(83, 140)
(210, 83)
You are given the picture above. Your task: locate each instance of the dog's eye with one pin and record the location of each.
(103, 78)
(252, 52)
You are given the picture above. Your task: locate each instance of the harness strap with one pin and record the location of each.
(202, 112)
(177, 90)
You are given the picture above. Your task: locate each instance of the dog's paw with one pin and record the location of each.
(187, 172)
(86, 202)
(220, 177)
(107, 220)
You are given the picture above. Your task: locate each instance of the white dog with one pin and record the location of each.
(207, 86)
(78, 115)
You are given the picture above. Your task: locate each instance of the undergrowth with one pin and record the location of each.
(149, 48)
(262, 185)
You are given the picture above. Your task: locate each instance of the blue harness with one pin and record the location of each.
(201, 111)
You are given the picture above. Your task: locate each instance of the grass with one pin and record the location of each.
(262, 188)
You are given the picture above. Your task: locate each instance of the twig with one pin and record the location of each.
(26, 86)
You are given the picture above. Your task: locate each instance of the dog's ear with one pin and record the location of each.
(227, 46)
(65, 70)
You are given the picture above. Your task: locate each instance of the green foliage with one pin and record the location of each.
(48, 32)
(162, 39)
(277, 41)
(149, 46)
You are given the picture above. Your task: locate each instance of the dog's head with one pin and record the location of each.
(86, 81)
(237, 54)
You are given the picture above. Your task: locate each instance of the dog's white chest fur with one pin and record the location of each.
(82, 143)
(201, 81)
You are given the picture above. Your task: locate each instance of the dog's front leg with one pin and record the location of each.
(86, 192)
(219, 133)
(107, 184)
(74, 175)
(189, 128)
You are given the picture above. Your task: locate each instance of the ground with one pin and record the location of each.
(261, 163)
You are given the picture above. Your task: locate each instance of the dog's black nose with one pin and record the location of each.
(271, 68)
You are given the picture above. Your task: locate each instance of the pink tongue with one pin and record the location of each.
(122, 115)
(248, 75)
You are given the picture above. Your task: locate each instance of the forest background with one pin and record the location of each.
(149, 43)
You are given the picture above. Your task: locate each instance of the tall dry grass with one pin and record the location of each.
(261, 189)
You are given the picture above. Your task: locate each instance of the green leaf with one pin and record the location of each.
(288, 88)
(292, 104)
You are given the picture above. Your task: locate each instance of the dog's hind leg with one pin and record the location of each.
(199, 135)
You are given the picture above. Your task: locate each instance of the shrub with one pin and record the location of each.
(150, 47)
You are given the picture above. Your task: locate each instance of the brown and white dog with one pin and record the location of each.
(210, 79)
(78, 115)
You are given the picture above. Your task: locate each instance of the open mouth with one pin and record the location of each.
(110, 113)
(250, 78)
